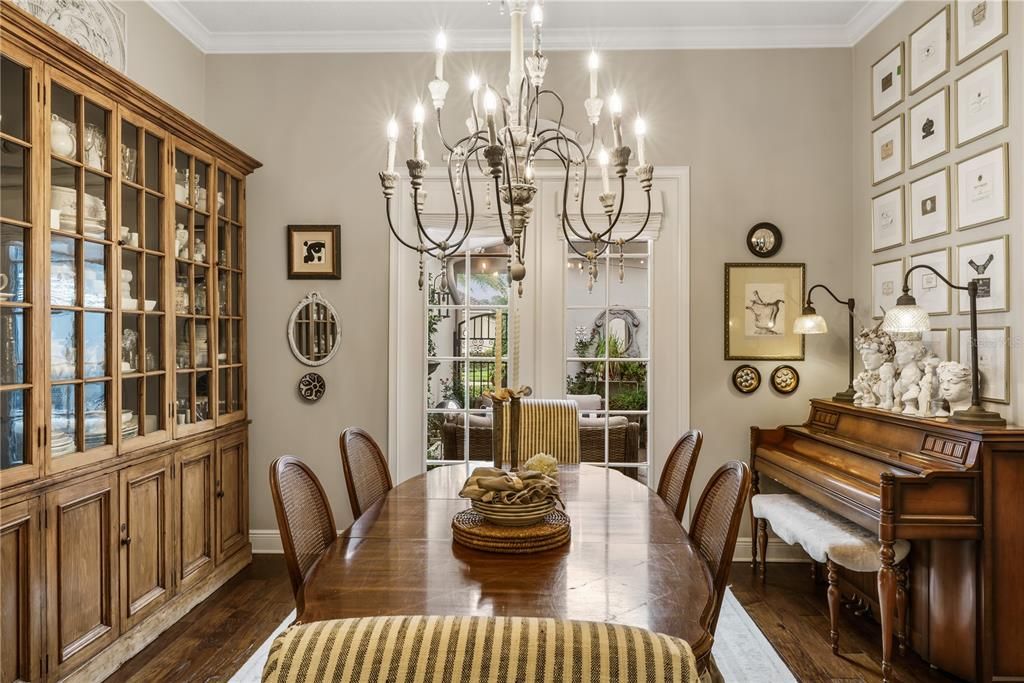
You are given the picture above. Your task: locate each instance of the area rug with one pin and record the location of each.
(741, 651)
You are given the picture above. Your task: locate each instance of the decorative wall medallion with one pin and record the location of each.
(96, 26)
(312, 387)
(764, 240)
(785, 379)
(746, 379)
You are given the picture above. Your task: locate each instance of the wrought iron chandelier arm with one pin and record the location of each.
(391, 226)
(468, 207)
(566, 221)
(647, 219)
(419, 222)
(501, 215)
(440, 132)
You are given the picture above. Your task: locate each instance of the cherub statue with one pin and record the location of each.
(883, 389)
(876, 348)
(929, 387)
(909, 354)
(955, 385)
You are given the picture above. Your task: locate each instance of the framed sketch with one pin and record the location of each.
(928, 129)
(982, 101)
(937, 341)
(979, 23)
(932, 294)
(929, 206)
(761, 302)
(886, 286)
(887, 150)
(887, 223)
(987, 263)
(929, 50)
(314, 252)
(981, 192)
(887, 82)
(993, 361)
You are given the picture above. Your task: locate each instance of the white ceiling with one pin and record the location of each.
(247, 26)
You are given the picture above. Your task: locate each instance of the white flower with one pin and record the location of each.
(543, 463)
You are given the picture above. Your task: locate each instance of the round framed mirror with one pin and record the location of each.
(764, 240)
(314, 331)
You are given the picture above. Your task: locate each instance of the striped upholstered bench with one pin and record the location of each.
(475, 650)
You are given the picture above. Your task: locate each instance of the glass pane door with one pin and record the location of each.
(230, 297)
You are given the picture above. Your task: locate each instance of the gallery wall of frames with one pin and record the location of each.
(941, 144)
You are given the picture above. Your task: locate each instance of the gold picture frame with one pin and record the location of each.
(897, 148)
(910, 56)
(761, 302)
(1004, 59)
(900, 74)
(1005, 213)
(984, 339)
(961, 58)
(962, 300)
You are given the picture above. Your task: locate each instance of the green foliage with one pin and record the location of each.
(632, 399)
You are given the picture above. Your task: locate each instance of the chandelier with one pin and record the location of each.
(506, 152)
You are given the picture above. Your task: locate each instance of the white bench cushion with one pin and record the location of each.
(824, 535)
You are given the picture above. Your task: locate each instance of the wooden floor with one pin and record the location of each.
(213, 640)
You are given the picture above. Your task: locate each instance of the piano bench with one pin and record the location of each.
(830, 540)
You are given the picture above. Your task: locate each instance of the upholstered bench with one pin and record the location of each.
(830, 540)
(475, 650)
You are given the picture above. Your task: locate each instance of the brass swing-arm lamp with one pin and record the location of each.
(809, 322)
(906, 318)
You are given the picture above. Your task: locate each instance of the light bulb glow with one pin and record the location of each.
(615, 103)
(537, 14)
(441, 42)
(418, 113)
(392, 129)
(593, 61)
(490, 101)
(474, 83)
(602, 158)
(639, 126)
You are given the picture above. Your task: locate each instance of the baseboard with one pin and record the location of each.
(266, 542)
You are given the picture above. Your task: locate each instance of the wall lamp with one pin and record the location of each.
(809, 322)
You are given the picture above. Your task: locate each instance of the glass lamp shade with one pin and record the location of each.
(810, 323)
(906, 319)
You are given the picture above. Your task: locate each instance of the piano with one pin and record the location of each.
(955, 492)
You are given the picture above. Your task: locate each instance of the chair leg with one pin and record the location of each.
(762, 546)
(833, 604)
(902, 613)
(754, 490)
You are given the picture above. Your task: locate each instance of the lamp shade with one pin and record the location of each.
(810, 323)
(906, 319)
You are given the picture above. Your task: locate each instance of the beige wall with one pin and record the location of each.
(766, 134)
(897, 27)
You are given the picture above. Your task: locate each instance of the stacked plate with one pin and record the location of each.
(62, 443)
(516, 514)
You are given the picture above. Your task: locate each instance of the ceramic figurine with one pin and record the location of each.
(876, 348)
(909, 354)
(883, 389)
(929, 387)
(955, 385)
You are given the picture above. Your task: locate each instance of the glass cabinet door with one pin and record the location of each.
(80, 268)
(20, 433)
(230, 299)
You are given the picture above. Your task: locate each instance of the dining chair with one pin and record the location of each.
(716, 522)
(677, 475)
(366, 470)
(304, 518)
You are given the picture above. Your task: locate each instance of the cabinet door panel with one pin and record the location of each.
(195, 513)
(232, 502)
(20, 593)
(145, 539)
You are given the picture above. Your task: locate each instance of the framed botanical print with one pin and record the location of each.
(981, 192)
(761, 302)
(887, 150)
(993, 361)
(886, 286)
(929, 206)
(887, 224)
(979, 23)
(929, 128)
(986, 263)
(932, 294)
(929, 50)
(314, 252)
(887, 82)
(937, 341)
(982, 102)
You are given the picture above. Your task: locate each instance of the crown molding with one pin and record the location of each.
(555, 39)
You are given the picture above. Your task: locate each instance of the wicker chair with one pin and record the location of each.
(716, 522)
(304, 518)
(674, 485)
(366, 470)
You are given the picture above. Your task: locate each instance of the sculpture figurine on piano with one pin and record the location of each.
(909, 360)
(929, 400)
(954, 386)
(884, 387)
(876, 348)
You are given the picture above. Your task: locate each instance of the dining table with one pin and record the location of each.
(629, 561)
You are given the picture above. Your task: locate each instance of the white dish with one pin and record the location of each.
(514, 515)
(150, 304)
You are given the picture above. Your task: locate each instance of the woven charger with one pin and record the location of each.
(469, 528)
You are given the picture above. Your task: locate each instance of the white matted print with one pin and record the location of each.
(931, 293)
(929, 50)
(937, 341)
(887, 82)
(993, 361)
(986, 263)
(886, 286)
(979, 23)
(887, 150)
(928, 129)
(929, 206)
(887, 224)
(981, 193)
(981, 101)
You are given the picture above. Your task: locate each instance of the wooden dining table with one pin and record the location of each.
(629, 561)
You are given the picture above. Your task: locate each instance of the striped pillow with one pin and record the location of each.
(475, 649)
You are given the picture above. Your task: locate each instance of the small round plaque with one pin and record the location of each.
(746, 379)
(785, 379)
(312, 387)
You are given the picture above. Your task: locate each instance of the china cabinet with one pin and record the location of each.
(123, 423)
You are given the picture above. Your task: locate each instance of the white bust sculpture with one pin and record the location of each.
(886, 381)
(909, 354)
(955, 385)
(876, 348)
(929, 387)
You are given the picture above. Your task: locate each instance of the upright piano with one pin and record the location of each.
(955, 492)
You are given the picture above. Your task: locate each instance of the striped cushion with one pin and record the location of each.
(545, 426)
(475, 649)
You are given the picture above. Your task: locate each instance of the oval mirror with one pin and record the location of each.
(314, 331)
(764, 240)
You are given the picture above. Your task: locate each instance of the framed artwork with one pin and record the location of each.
(932, 294)
(993, 361)
(982, 102)
(929, 50)
(887, 223)
(929, 206)
(937, 341)
(887, 82)
(761, 302)
(887, 150)
(987, 263)
(928, 129)
(314, 252)
(979, 23)
(886, 286)
(981, 192)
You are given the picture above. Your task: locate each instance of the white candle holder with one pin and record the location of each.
(438, 92)
(593, 106)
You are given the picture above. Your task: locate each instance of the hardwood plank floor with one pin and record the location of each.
(213, 640)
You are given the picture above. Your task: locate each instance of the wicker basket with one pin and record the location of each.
(469, 528)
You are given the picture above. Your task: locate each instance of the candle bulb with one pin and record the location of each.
(417, 131)
(536, 18)
(440, 44)
(615, 109)
(392, 140)
(592, 64)
(602, 159)
(490, 104)
(640, 130)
